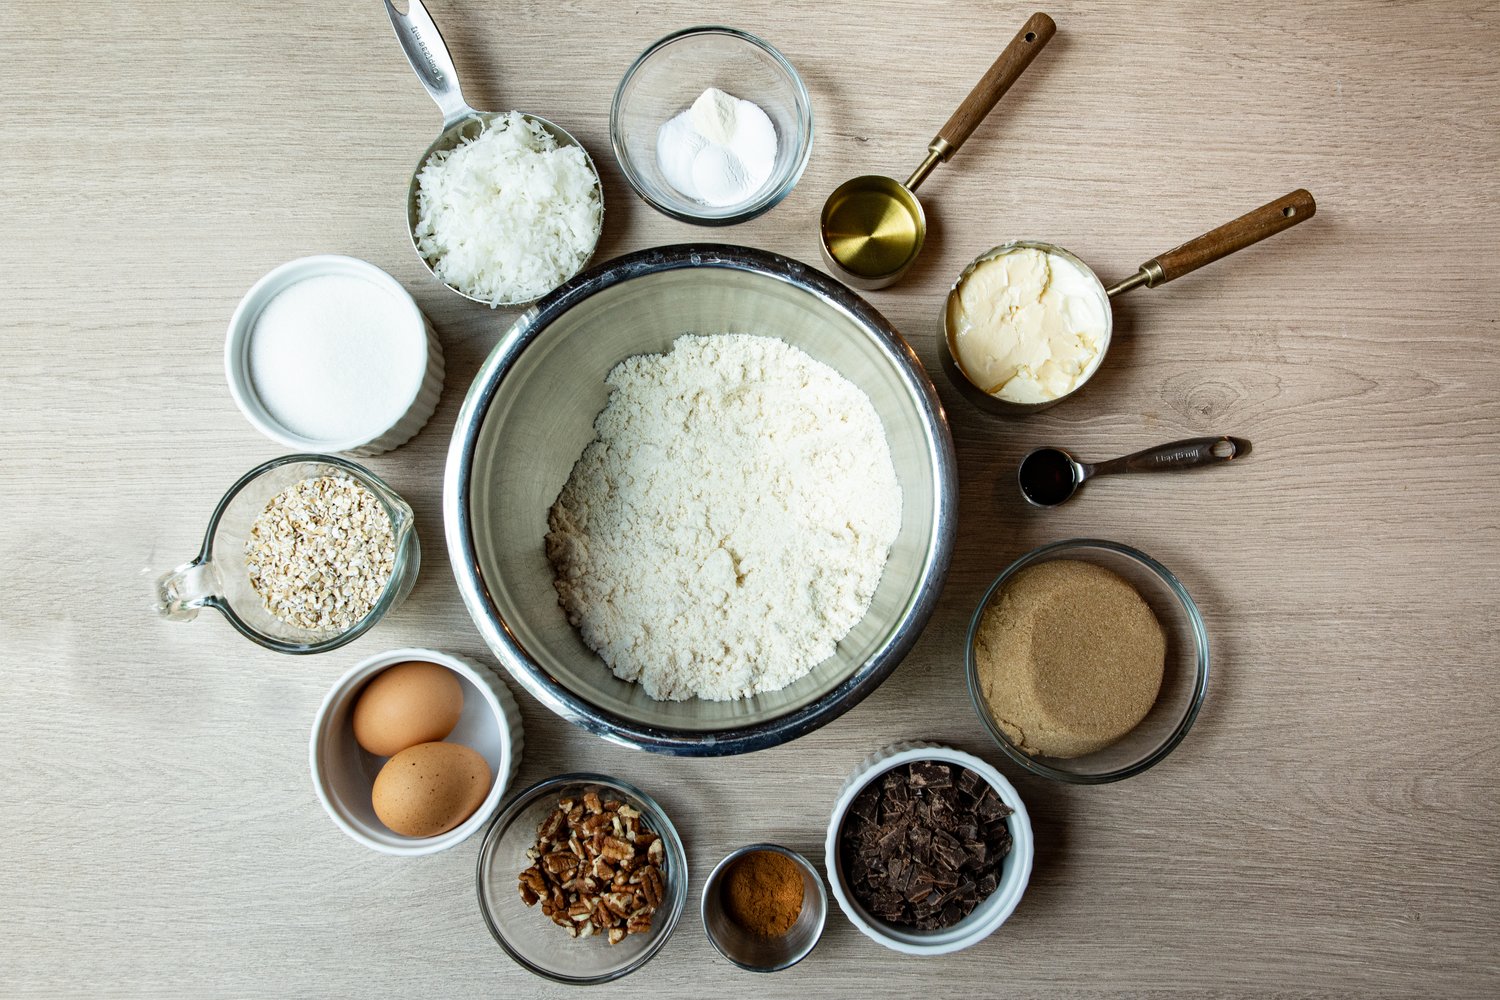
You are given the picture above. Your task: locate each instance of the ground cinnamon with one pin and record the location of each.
(762, 893)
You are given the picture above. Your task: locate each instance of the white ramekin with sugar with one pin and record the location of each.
(330, 354)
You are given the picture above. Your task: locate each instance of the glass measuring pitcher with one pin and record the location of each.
(220, 578)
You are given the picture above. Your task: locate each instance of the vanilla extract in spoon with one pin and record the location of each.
(1050, 476)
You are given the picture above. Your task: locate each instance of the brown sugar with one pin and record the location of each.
(1070, 658)
(762, 893)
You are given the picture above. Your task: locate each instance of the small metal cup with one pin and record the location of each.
(871, 230)
(948, 351)
(428, 54)
(758, 954)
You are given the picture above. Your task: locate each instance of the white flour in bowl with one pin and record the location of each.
(729, 523)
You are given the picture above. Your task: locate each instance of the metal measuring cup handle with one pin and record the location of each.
(428, 54)
(1189, 454)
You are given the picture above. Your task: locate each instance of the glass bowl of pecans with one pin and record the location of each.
(582, 878)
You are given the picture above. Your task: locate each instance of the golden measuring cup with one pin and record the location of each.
(872, 227)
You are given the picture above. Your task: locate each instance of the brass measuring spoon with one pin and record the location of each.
(429, 58)
(872, 226)
(1249, 229)
(1050, 476)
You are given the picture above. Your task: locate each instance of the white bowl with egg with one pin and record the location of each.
(344, 773)
(330, 354)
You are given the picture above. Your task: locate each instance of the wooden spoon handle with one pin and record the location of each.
(1266, 221)
(1006, 70)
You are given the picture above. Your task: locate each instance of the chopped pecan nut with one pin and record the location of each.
(619, 850)
(551, 825)
(653, 886)
(597, 869)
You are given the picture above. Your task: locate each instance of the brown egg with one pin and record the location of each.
(407, 704)
(430, 788)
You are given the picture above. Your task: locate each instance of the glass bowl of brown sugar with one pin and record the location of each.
(1045, 717)
(764, 907)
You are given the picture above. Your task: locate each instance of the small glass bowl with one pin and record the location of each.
(218, 577)
(532, 940)
(1184, 681)
(670, 75)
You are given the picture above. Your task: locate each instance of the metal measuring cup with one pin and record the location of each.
(429, 58)
(1250, 228)
(872, 226)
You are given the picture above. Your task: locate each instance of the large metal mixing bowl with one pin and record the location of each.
(531, 411)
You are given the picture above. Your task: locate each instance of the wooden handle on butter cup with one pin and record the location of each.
(1252, 227)
(1006, 70)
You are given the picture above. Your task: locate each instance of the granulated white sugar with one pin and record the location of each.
(336, 358)
(730, 522)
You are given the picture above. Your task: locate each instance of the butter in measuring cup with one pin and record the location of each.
(1028, 325)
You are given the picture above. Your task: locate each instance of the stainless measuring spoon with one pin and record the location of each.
(429, 58)
(1049, 476)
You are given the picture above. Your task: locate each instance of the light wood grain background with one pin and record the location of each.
(1327, 828)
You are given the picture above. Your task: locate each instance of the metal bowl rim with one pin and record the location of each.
(609, 725)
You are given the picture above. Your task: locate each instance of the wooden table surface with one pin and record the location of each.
(1328, 827)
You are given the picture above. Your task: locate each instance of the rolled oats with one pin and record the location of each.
(321, 553)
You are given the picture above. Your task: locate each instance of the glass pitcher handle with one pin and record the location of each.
(181, 593)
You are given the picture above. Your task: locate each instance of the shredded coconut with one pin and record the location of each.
(730, 522)
(508, 215)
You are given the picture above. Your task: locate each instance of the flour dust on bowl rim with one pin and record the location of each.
(530, 413)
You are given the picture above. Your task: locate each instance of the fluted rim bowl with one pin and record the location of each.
(530, 412)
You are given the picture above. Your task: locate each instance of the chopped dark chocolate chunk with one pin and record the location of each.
(865, 804)
(947, 850)
(924, 845)
(930, 774)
